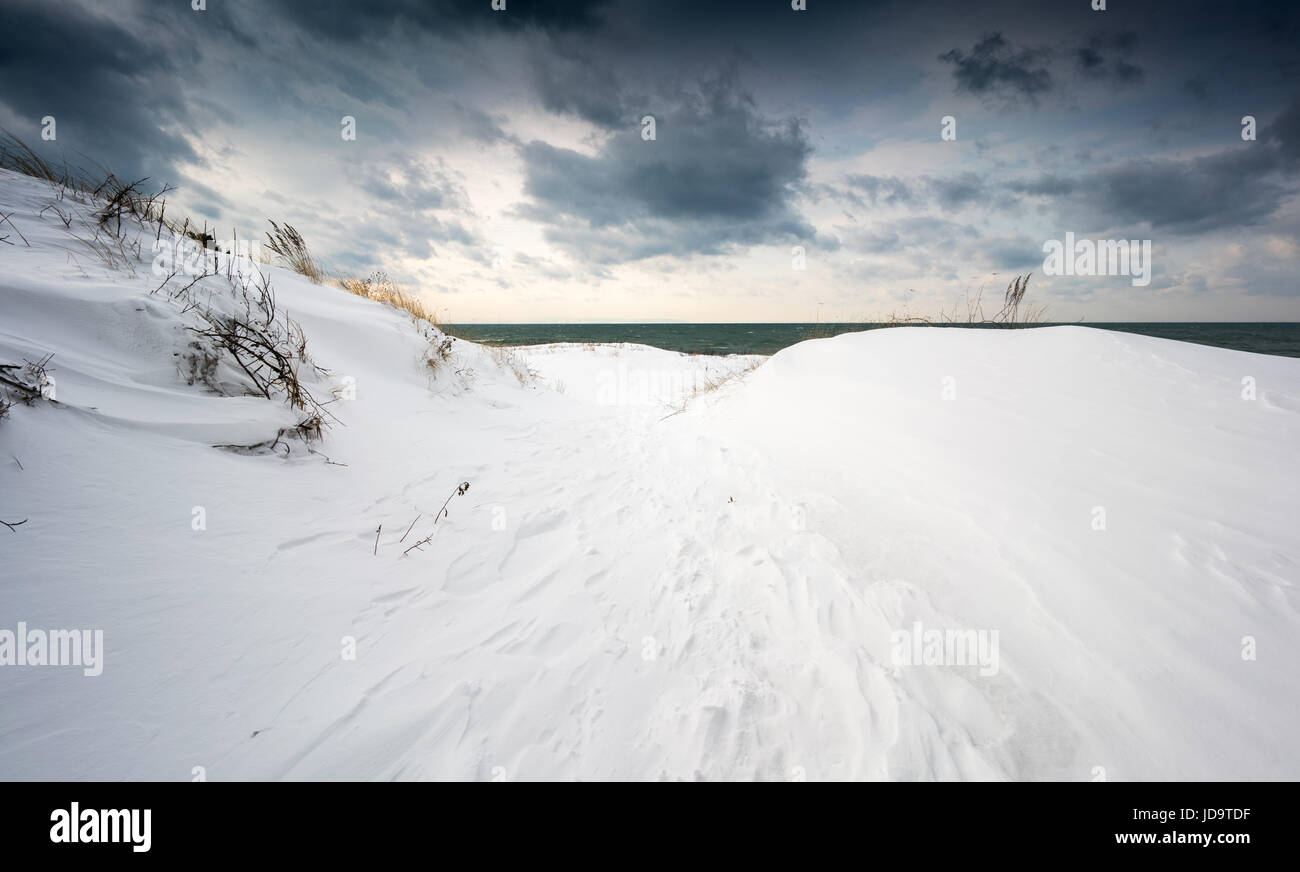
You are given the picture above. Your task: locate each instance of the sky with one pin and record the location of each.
(800, 166)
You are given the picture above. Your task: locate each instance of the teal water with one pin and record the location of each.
(1281, 338)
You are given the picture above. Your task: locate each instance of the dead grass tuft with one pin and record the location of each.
(505, 357)
(1012, 313)
(381, 288)
(286, 243)
(17, 156)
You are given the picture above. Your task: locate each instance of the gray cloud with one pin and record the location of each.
(1228, 189)
(478, 125)
(955, 191)
(1198, 87)
(950, 192)
(1284, 133)
(1049, 185)
(415, 206)
(908, 234)
(411, 186)
(889, 190)
(112, 94)
(1242, 185)
(717, 176)
(995, 67)
(570, 83)
(1108, 57)
(349, 21)
(247, 84)
(216, 203)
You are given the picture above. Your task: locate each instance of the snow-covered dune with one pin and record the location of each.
(664, 566)
(1111, 503)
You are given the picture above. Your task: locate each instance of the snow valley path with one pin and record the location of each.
(904, 554)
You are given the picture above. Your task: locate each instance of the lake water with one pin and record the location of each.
(1282, 338)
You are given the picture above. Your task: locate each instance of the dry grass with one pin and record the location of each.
(287, 244)
(711, 383)
(16, 155)
(118, 200)
(116, 205)
(239, 320)
(820, 330)
(505, 357)
(1012, 313)
(381, 288)
(439, 350)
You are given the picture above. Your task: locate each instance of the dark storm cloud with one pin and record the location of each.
(718, 175)
(1284, 133)
(1127, 73)
(1108, 56)
(995, 67)
(112, 95)
(1091, 62)
(1237, 187)
(574, 84)
(121, 98)
(434, 77)
(360, 85)
(1242, 185)
(1234, 188)
(1198, 87)
(349, 20)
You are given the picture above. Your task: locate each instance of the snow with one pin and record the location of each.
(647, 578)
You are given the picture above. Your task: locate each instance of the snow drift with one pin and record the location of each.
(665, 566)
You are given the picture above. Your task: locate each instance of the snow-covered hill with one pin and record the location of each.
(664, 566)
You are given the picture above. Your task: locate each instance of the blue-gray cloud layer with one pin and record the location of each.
(1145, 100)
